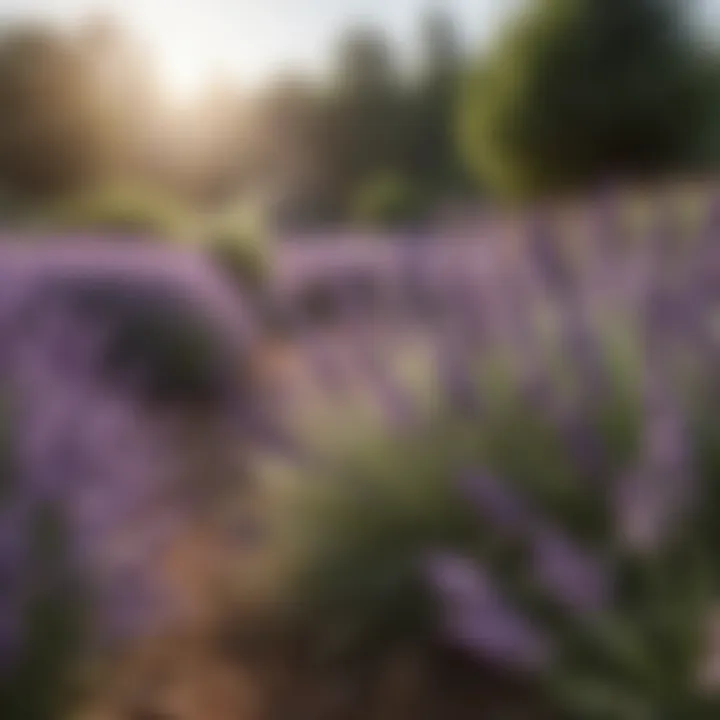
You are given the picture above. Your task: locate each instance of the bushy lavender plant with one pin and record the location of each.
(550, 504)
(96, 485)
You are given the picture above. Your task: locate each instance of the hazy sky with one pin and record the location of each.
(254, 38)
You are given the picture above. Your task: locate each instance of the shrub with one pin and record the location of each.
(388, 202)
(95, 495)
(157, 336)
(553, 513)
(357, 544)
(123, 211)
(562, 103)
(359, 534)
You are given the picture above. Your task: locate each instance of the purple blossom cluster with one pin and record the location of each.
(599, 355)
(564, 387)
(87, 446)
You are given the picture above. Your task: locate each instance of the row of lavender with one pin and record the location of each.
(543, 493)
(535, 482)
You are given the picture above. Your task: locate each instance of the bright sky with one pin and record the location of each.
(252, 39)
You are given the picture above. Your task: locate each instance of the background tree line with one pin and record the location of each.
(571, 93)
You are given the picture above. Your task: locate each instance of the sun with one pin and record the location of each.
(183, 78)
(187, 47)
(193, 46)
(184, 69)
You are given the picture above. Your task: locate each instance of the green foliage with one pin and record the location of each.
(8, 469)
(131, 211)
(388, 201)
(242, 249)
(355, 535)
(353, 543)
(39, 681)
(366, 118)
(432, 154)
(80, 109)
(579, 91)
(44, 682)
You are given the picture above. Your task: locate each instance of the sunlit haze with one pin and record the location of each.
(194, 40)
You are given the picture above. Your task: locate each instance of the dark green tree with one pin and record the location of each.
(433, 157)
(284, 151)
(366, 119)
(584, 90)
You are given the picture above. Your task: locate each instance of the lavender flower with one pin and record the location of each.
(478, 619)
(97, 495)
(571, 576)
(495, 502)
(576, 342)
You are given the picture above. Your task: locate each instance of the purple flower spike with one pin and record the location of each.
(549, 262)
(660, 490)
(478, 619)
(585, 445)
(572, 577)
(495, 502)
(456, 382)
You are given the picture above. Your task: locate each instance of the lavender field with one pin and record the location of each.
(359, 360)
(441, 477)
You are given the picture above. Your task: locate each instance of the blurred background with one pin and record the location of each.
(358, 359)
(313, 114)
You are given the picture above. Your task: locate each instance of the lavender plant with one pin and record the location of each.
(97, 484)
(550, 505)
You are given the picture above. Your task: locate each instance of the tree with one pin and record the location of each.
(442, 50)
(582, 90)
(53, 130)
(433, 155)
(288, 156)
(388, 202)
(365, 63)
(366, 120)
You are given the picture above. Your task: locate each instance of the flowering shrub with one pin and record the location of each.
(157, 335)
(548, 504)
(98, 485)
